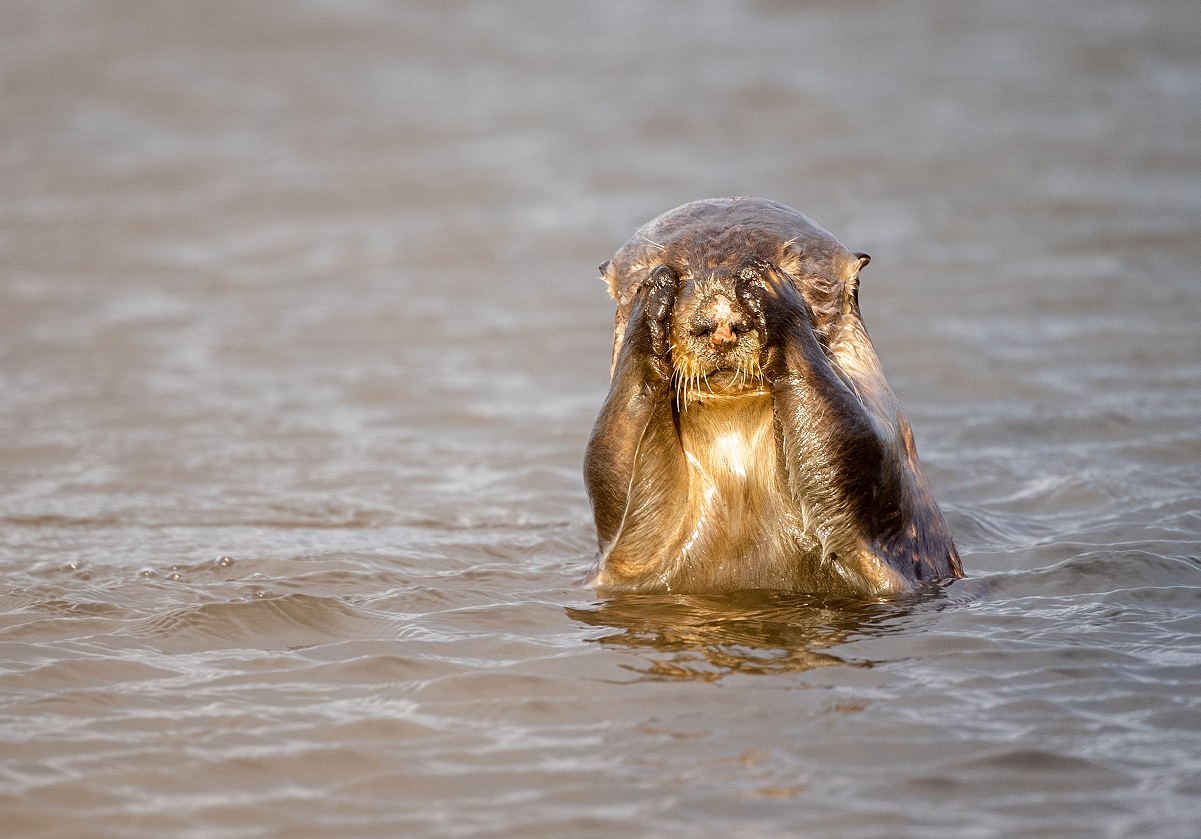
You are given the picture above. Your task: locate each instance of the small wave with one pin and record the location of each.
(1016, 771)
(1093, 571)
(288, 622)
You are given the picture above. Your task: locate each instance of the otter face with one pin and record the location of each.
(715, 345)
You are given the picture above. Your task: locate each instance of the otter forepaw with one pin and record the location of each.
(660, 291)
(774, 302)
(659, 295)
(752, 294)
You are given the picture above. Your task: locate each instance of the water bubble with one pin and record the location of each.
(224, 562)
(148, 572)
(175, 576)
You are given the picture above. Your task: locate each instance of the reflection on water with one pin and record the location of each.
(704, 638)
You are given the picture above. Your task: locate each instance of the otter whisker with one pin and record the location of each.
(651, 241)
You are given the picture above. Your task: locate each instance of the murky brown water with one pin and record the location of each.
(301, 339)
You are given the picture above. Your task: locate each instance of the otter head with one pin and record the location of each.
(708, 243)
(715, 346)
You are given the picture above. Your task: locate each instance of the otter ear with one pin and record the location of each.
(610, 277)
(850, 289)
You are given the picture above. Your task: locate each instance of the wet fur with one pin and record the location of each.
(791, 466)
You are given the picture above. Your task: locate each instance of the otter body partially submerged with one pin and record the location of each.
(749, 439)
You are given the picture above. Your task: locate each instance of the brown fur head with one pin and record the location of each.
(712, 239)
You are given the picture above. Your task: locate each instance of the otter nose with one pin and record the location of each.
(723, 337)
(727, 323)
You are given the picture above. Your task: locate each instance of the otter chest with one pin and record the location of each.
(734, 485)
(729, 439)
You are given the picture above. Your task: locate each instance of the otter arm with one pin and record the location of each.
(634, 466)
(841, 469)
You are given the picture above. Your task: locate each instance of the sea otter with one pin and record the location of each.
(749, 440)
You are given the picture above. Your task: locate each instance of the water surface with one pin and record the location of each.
(301, 338)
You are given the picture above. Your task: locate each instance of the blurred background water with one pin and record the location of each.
(301, 338)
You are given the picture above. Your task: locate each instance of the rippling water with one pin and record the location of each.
(301, 339)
